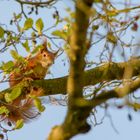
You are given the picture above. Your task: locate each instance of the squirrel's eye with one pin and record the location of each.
(44, 55)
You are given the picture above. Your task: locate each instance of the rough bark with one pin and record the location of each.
(71, 126)
(106, 72)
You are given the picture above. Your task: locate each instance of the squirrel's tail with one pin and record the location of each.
(20, 109)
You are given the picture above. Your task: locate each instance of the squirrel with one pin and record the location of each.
(38, 65)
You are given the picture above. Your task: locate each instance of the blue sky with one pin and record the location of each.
(54, 115)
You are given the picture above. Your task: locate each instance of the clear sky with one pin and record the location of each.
(54, 115)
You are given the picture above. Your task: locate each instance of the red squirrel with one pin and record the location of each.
(39, 64)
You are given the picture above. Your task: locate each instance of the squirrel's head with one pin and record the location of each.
(46, 57)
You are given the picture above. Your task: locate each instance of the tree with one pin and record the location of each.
(89, 84)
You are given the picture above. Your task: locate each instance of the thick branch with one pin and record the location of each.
(106, 72)
(71, 125)
(118, 92)
(36, 3)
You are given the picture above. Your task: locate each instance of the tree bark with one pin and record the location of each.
(71, 126)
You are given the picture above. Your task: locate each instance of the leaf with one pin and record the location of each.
(6, 96)
(39, 25)
(16, 92)
(48, 44)
(1, 32)
(111, 38)
(28, 23)
(38, 104)
(60, 34)
(26, 46)
(7, 66)
(15, 55)
(19, 124)
(57, 20)
(18, 16)
(95, 27)
(15, 38)
(4, 110)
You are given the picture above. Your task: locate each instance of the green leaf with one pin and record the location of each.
(1, 32)
(60, 34)
(28, 23)
(39, 25)
(4, 110)
(111, 38)
(18, 16)
(15, 55)
(7, 97)
(38, 104)
(26, 46)
(19, 124)
(95, 27)
(48, 45)
(16, 92)
(7, 66)
(15, 38)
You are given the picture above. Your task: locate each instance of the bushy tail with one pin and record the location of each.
(20, 109)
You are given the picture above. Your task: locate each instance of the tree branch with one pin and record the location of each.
(118, 92)
(71, 125)
(106, 72)
(36, 3)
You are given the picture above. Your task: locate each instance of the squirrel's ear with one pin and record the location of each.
(44, 44)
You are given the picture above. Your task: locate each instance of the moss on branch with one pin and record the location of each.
(71, 126)
(106, 72)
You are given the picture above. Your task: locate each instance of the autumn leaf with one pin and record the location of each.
(28, 23)
(39, 26)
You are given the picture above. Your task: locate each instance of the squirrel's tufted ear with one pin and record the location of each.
(44, 44)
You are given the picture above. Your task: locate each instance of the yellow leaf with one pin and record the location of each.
(19, 124)
(39, 25)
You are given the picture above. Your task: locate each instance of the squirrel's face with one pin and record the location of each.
(47, 58)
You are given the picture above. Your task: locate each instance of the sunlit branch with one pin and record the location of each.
(49, 2)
